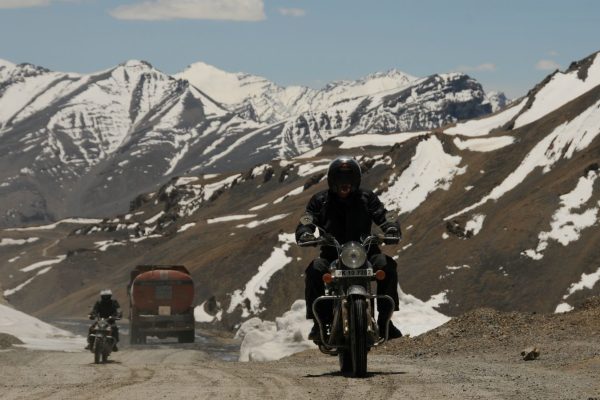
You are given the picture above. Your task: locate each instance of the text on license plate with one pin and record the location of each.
(350, 273)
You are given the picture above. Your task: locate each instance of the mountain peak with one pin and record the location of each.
(390, 73)
(226, 87)
(6, 64)
(136, 64)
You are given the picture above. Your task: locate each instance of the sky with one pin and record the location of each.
(506, 45)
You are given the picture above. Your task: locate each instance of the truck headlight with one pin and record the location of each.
(353, 255)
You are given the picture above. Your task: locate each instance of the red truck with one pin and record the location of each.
(161, 303)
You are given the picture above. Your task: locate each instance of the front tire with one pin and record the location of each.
(345, 358)
(358, 336)
(97, 353)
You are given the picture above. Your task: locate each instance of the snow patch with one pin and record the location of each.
(229, 218)
(562, 88)
(259, 282)
(567, 224)
(254, 224)
(152, 220)
(17, 242)
(10, 292)
(185, 227)
(430, 169)
(482, 127)
(105, 244)
(379, 140)
(475, 224)
(587, 281)
(563, 308)
(36, 334)
(83, 221)
(202, 316)
(267, 340)
(291, 193)
(563, 142)
(258, 207)
(45, 263)
(484, 144)
(312, 168)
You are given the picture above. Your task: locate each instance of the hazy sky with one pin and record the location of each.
(507, 45)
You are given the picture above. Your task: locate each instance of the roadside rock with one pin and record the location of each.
(530, 353)
(6, 340)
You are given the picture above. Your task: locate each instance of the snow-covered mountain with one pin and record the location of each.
(272, 103)
(501, 211)
(85, 145)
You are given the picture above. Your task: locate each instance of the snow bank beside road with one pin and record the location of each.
(268, 340)
(36, 334)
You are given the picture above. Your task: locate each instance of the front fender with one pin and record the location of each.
(357, 290)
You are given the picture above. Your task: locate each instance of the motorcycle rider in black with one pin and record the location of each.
(106, 307)
(347, 212)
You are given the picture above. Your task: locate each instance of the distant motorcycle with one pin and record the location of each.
(353, 330)
(102, 341)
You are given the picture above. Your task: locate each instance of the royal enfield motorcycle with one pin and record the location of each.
(353, 330)
(101, 339)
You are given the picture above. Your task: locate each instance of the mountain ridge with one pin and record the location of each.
(84, 145)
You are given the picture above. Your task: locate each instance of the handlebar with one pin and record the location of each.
(97, 317)
(329, 240)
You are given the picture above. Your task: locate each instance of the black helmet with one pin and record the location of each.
(343, 170)
(105, 294)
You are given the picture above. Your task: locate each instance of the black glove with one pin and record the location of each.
(392, 232)
(307, 237)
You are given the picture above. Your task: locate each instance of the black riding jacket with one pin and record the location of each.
(347, 219)
(105, 309)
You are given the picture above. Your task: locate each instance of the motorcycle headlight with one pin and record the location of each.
(353, 255)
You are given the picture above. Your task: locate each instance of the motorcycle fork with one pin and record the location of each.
(345, 320)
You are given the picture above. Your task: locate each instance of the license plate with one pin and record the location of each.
(352, 273)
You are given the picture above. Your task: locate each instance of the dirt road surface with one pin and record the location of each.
(475, 356)
(169, 373)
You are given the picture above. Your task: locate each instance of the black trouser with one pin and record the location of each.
(314, 286)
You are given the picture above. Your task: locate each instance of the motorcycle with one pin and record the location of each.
(101, 339)
(353, 330)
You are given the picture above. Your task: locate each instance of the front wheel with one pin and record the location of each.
(345, 358)
(358, 336)
(97, 353)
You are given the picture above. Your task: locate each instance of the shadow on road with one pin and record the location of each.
(107, 362)
(369, 374)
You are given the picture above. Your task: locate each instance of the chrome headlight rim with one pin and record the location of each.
(353, 255)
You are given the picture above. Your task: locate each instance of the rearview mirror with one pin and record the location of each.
(390, 216)
(306, 219)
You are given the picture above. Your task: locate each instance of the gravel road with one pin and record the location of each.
(474, 356)
(166, 373)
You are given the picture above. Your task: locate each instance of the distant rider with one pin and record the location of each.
(109, 308)
(347, 212)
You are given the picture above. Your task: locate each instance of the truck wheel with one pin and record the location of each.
(190, 336)
(132, 336)
(186, 337)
